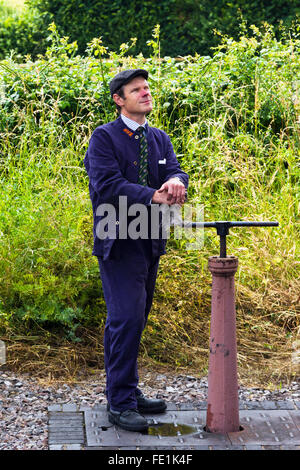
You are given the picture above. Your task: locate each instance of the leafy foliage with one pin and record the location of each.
(187, 27)
(22, 31)
(233, 120)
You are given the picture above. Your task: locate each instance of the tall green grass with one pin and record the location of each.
(234, 121)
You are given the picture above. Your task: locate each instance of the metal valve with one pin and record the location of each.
(223, 229)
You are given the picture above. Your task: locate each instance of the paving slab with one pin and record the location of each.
(264, 426)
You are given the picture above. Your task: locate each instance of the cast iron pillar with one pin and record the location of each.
(222, 403)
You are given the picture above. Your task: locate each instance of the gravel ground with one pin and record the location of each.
(24, 401)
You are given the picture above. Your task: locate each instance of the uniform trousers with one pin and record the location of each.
(128, 282)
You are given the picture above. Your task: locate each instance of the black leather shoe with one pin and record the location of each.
(130, 420)
(150, 405)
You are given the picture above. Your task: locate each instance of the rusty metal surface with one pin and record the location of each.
(266, 426)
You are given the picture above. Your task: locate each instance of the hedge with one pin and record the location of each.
(187, 27)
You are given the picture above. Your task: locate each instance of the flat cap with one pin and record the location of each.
(125, 77)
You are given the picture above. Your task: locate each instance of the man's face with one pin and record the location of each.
(137, 99)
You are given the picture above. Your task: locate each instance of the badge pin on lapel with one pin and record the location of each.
(128, 132)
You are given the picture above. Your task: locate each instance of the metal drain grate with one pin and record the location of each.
(66, 428)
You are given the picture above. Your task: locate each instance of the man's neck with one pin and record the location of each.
(131, 123)
(139, 118)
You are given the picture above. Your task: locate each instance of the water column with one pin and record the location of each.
(222, 403)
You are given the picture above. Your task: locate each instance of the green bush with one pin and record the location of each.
(22, 32)
(5, 10)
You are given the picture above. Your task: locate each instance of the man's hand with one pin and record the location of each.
(171, 192)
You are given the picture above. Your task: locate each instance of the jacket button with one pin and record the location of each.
(136, 136)
(135, 162)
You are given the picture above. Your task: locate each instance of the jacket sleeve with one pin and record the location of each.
(105, 175)
(172, 166)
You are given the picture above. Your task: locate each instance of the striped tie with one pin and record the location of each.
(143, 172)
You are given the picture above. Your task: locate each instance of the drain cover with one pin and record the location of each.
(265, 425)
(173, 428)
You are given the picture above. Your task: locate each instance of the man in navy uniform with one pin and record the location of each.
(129, 158)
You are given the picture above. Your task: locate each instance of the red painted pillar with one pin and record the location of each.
(222, 403)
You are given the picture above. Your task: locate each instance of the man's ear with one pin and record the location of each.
(118, 100)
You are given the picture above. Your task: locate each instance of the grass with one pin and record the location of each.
(233, 120)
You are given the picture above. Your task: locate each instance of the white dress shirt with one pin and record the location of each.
(133, 125)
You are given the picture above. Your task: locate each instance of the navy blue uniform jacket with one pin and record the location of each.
(112, 164)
